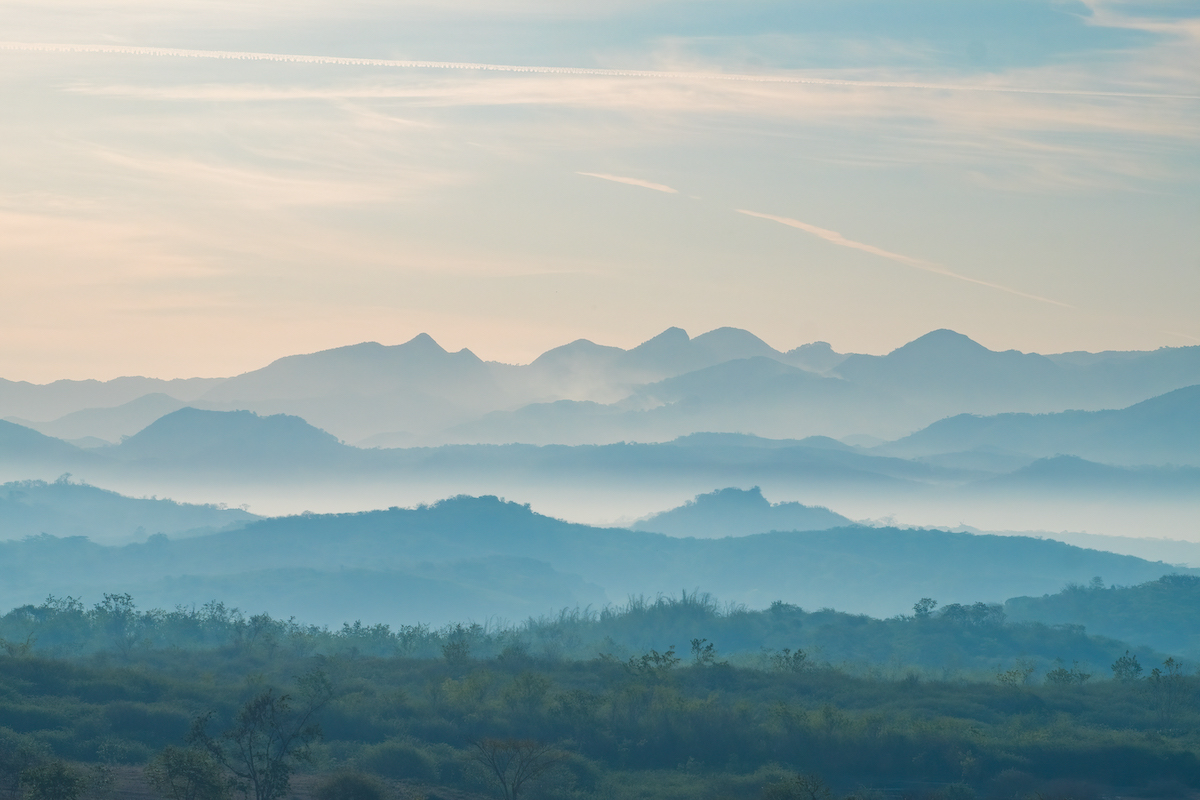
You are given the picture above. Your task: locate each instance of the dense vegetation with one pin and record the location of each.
(670, 698)
(1162, 613)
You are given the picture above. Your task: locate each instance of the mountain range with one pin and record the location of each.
(502, 559)
(672, 385)
(1163, 429)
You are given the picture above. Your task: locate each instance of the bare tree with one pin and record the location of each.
(268, 737)
(515, 762)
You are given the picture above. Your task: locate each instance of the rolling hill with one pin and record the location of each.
(879, 571)
(738, 512)
(1161, 430)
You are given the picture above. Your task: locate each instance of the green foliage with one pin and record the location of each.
(399, 759)
(1126, 669)
(787, 660)
(923, 608)
(641, 722)
(798, 787)
(1159, 613)
(1169, 690)
(1018, 675)
(268, 737)
(179, 773)
(653, 664)
(53, 780)
(703, 655)
(1061, 676)
(350, 786)
(17, 754)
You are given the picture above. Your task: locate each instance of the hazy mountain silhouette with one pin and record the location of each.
(1062, 475)
(671, 385)
(756, 395)
(944, 370)
(1164, 429)
(24, 449)
(583, 370)
(108, 424)
(947, 373)
(868, 570)
(50, 401)
(737, 512)
(816, 357)
(238, 439)
(368, 388)
(62, 508)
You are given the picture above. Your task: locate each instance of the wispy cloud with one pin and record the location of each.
(833, 237)
(550, 70)
(658, 187)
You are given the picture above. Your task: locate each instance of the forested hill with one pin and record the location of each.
(731, 512)
(879, 571)
(1164, 611)
(64, 508)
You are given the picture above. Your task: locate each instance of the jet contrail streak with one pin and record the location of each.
(833, 237)
(658, 187)
(618, 73)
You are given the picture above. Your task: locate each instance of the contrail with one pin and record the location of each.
(618, 73)
(834, 237)
(658, 187)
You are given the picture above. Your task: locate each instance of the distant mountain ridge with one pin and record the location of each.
(738, 512)
(68, 509)
(879, 571)
(417, 393)
(1163, 429)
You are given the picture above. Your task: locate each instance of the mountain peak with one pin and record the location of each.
(731, 498)
(671, 337)
(942, 342)
(729, 343)
(424, 342)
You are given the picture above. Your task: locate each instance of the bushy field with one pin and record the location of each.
(618, 706)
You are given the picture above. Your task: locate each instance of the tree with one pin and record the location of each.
(181, 773)
(1061, 676)
(924, 607)
(1168, 690)
(787, 661)
(515, 762)
(268, 737)
(1126, 668)
(54, 780)
(17, 754)
(703, 655)
(117, 616)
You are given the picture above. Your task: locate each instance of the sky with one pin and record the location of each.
(180, 197)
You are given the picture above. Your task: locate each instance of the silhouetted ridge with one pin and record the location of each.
(942, 343)
(1164, 429)
(191, 433)
(19, 441)
(724, 344)
(737, 512)
(62, 508)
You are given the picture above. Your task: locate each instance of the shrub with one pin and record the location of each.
(350, 786)
(394, 759)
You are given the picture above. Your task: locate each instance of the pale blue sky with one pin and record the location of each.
(180, 216)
